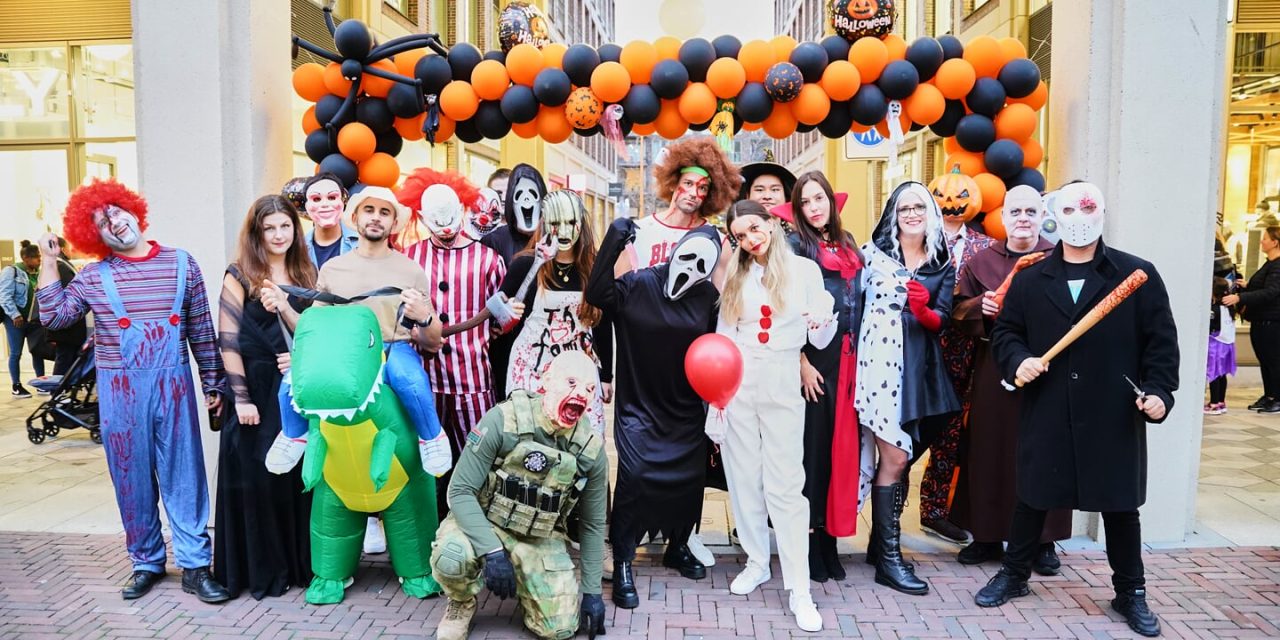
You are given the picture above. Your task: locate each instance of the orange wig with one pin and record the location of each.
(77, 221)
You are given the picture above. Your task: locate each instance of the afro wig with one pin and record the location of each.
(703, 152)
(77, 221)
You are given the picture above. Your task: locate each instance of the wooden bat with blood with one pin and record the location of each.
(1096, 314)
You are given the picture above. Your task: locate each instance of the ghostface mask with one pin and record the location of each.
(527, 202)
(563, 218)
(692, 261)
(568, 387)
(487, 213)
(442, 212)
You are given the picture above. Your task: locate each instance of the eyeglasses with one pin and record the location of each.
(911, 211)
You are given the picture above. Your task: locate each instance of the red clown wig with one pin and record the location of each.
(77, 221)
(410, 195)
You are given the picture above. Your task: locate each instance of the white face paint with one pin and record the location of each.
(324, 204)
(527, 202)
(562, 220)
(487, 212)
(1022, 214)
(692, 262)
(1081, 212)
(118, 228)
(442, 212)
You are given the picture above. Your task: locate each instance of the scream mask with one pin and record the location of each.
(118, 228)
(568, 386)
(1080, 212)
(526, 200)
(487, 213)
(325, 202)
(692, 261)
(442, 212)
(563, 218)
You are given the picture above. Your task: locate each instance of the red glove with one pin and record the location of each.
(918, 300)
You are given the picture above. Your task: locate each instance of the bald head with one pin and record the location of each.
(1023, 213)
(569, 385)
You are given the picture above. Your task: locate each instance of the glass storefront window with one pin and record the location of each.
(104, 160)
(34, 182)
(34, 94)
(104, 91)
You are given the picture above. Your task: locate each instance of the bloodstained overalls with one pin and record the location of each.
(151, 433)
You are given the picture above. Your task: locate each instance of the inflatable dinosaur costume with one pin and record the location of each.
(362, 454)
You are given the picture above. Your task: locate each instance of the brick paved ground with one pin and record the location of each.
(67, 586)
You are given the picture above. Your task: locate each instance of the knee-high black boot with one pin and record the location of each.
(817, 568)
(830, 558)
(891, 571)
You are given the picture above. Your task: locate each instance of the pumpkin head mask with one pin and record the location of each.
(957, 195)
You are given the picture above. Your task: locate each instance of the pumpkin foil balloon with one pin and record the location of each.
(783, 82)
(522, 23)
(583, 108)
(957, 195)
(853, 19)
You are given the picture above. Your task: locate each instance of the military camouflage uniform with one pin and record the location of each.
(513, 488)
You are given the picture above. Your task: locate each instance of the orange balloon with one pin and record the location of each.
(812, 105)
(992, 189)
(639, 57)
(782, 122)
(1037, 99)
(783, 46)
(697, 103)
(756, 58)
(553, 55)
(951, 146)
(1032, 153)
(970, 163)
(583, 109)
(955, 78)
(993, 225)
(870, 55)
(668, 48)
(459, 101)
(490, 80)
(752, 126)
(611, 81)
(380, 170)
(670, 124)
(309, 122)
(644, 129)
(841, 80)
(986, 56)
(411, 128)
(726, 78)
(527, 130)
(553, 126)
(375, 86)
(859, 128)
(446, 129)
(896, 46)
(308, 82)
(334, 82)
(1016, 122)
(408, 61)
(1011, 49)
(904, 121)
(524, 61)
(926, 105)
(357, 142)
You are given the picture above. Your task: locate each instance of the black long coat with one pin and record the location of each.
(1082, 442)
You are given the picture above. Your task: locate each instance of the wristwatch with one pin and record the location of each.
(410, 323)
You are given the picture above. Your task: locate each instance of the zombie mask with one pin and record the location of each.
(324, 203)
(487, 212)
(568, 387)
(442, 212)
(1080, 211)
(562, 220)
(118, 228)
(692, 261)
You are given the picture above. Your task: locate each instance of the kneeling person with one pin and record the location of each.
(527, 465)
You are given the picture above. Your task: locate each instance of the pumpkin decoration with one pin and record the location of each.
(863, 9)
(783, 82)
(583, 108)
(854, 19)
(957, 195)
(522, 23)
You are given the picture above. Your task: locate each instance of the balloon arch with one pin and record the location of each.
(982, 98)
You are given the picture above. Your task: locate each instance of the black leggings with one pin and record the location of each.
(1265, 337)
(1124, 545)
(1218, 390)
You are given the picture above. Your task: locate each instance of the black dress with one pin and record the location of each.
(263, 522)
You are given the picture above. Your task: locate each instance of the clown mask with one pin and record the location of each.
(568, 387)
(324, 204)
(562, 220)
(442, 212)
(487, 213)
(118, 228)
(692, 261)
(527, 201)
(1080, 211)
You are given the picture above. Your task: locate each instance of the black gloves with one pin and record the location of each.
(499, 575)
(591, 618)
(627, 227)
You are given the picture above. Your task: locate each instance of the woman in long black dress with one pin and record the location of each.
(262, 525)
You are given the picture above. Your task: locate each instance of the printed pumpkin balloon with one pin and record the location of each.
(957, 195)
(853, 19)
(522, 23)
(783, 82)
(583, 108)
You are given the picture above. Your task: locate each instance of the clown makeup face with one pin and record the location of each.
(118, 228)
(691, 192)
(487, 213)
(693, 260)
(815, 205)
(768, 191)
(442, 213)
(1022, 215)
(568, 386)
(528, 205)
(1080, 211)
(375, 219)
(561, 220)
(324, 204)
(753, 234)
(911, 211)
(277, 233)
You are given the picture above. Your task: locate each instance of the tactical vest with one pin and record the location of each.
(533, 488)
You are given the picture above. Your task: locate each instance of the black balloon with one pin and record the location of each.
(838, 121)
(467, 131)
(754, 104)
(837, 48)
(595, 130)
(926, 55)
(986, 97)
(390, 143)
(552, 87)
(811, 59)
(697, 55)
(579, 61)
(946, 125)
(1027, 176)
(869, 105)
(783, 82)
(951, 47)
(463, 58)
(975, 132)
(727, 46)
(805, 128)
(434, 72)
(352, 39)
(352, 69)
(641, 105)
(700, 126)
(375, 114)
(340, 166)
(610, 53)
(490, 121)
(499, 56)
(328, 107)
(519, 105)
(1003, 158)
(403, 100)
(899, 80)
(669, 79)
(319, 145)
(1020, 78)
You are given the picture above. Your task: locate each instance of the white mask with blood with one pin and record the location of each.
(562, 219)
(442, 212)
(488, 212)
(1080, 211)
(693, 260)
(527, 201)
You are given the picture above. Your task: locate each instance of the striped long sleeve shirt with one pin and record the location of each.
(147, 287)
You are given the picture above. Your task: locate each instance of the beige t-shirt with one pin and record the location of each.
(352, 274)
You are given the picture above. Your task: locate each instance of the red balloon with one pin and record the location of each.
(713, 365)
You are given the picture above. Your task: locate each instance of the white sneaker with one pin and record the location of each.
(806, 613)
(285, 452)
(700, 551)
(752, 576)
(435, 455)
(375, 541)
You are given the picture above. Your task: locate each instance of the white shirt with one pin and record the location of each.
(788, 328)
(655, 241)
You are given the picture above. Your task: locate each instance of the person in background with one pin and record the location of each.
(67, 342)
(1260, 306)
(771, 185)
(18, 300)
(498, 182)
(326, 198)
(1222, 348)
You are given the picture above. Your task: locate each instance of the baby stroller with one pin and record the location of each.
(72, 402)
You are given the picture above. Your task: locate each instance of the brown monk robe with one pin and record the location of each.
(985, 494)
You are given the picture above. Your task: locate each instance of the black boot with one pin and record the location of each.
(891, 571)
(624, 585)
(980, 552)
(681, 559)
(831, 557)
(1133, 606)
(873, 548)
(1047, 562)
(817, 568)
(201, 582)
(140, 584)
(1001, 588)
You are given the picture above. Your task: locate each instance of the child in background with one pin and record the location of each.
(1222, 348)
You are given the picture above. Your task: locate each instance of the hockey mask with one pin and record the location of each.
(118, 228)
(528, 205)
(1080, 211)
(487, 212)
(442, 212)
(324, 203)
(562, 219)
(568, 387)
(692, 261)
